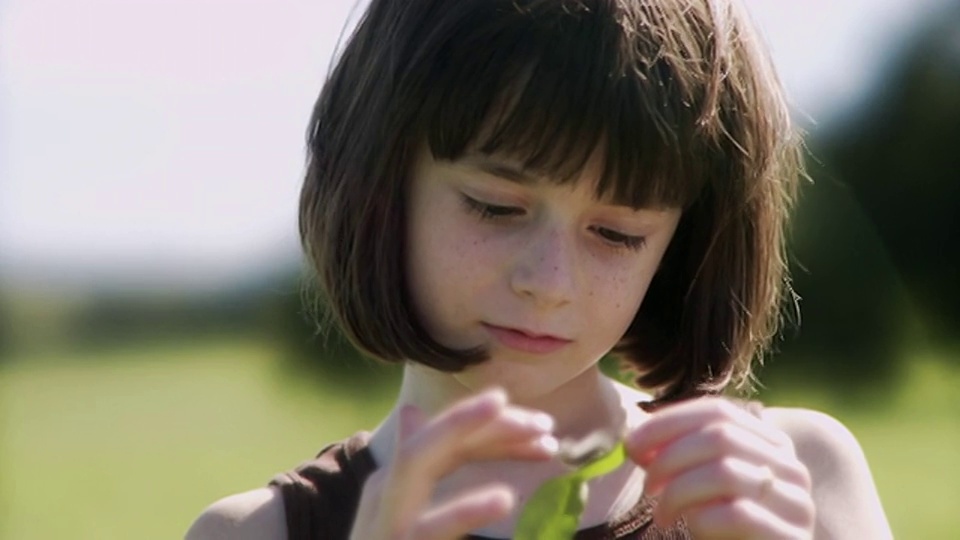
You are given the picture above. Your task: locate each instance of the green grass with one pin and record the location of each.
(911, 439)
(105, 449)
(136, 444)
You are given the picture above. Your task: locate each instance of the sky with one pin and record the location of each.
(147, 142)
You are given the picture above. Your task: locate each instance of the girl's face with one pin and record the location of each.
(546, 277)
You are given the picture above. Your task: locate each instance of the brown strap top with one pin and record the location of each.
(321, 496)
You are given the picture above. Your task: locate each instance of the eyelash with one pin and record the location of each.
(493, 212)
(625, 240)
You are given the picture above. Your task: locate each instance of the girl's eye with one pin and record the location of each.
(620, 239)
(491, 211)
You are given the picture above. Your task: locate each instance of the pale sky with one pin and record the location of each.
(158, 140)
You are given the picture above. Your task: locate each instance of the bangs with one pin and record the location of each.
(665, 103)
(555, 82)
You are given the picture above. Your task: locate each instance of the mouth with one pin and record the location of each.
(525, 340)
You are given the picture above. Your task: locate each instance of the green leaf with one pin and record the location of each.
(604, 464)
(553, 511)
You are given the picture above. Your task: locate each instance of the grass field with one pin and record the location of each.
(135, 445)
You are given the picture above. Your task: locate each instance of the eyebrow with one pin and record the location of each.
(500, 169)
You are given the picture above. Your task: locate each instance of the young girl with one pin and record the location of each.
(500, 193)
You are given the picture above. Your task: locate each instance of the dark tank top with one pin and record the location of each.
(320, 499)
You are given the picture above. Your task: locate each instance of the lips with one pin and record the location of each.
(525, 340)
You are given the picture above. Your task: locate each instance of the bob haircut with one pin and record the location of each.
(676, 95)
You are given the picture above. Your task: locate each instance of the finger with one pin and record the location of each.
(544, 447)
(427, 450)
(482, 427)
(714, 441)
(674, 421)
(740, 519)
(726, 480)
(513, 429)
(409, 479)
(457, 517)
(463, 434)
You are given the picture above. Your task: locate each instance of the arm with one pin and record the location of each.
(253, 515)
(846, 499)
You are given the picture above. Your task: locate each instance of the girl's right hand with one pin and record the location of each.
(397, 499)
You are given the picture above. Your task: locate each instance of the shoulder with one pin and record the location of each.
(817, 436)
(844, 492)
(255, 514)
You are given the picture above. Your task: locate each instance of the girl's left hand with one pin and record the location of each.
(728, 473)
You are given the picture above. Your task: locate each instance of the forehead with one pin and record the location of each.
(561, 94)
(514, 168)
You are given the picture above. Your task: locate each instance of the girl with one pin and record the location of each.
(501, 192)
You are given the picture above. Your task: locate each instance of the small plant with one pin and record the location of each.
(553, 511)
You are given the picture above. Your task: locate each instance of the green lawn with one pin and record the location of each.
(134, 446)
(913, 447)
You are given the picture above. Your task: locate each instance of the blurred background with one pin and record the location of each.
(153, 352)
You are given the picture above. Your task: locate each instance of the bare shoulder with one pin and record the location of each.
(255, 514)
(821, 441)
(846, 498)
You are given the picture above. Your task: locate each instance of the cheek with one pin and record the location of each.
(617, 297)
(445, 269)
(450, 256)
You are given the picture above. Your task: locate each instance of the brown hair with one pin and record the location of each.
(677, 94)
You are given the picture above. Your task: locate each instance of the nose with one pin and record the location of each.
(546, 270)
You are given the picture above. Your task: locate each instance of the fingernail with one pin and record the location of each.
(496, 395)
(543, 422)
(501, 502)
(549, 443)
